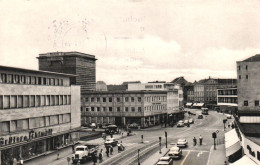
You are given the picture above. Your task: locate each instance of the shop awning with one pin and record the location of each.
(232, 142)
(188, 104)
(244, 160)
(198, 104)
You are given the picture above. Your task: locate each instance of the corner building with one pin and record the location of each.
(39, 112)
(144, 108)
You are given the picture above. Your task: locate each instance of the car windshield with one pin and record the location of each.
(79, 149)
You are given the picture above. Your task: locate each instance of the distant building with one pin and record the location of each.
(205, 91)
(126, 108)
(227, 99)
(80, 64)
(248, 74)
(39, 112)
(101, 86)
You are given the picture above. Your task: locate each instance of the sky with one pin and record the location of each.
(145, 40)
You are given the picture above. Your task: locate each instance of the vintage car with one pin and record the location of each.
(182, 143)
(180, 123)
(166, 160)
(175, 153)
(111, 141)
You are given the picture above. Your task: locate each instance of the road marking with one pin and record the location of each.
(195, 150)
(185, 158)
(210, 154)
(198, 155)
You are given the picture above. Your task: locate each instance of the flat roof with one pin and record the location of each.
(60, 54)
(126, 92)
(9, 68)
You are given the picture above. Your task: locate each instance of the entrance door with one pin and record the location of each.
(118, 121)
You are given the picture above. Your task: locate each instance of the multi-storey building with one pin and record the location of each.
(80, 64)
(145, 108)
(205, 91)
(248, 76)
(227, 99)
(39, 112)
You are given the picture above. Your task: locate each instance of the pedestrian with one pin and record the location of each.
(94, 158)
(228, 125)
(200, 138)
(194, 141)
(232, 126)
(111, 150)
(225, 163)
(100, 156)
(73, 147)
(15, 161)
(107, 151)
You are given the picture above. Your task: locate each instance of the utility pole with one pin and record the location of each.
(166, 137)
(160, 144)
(138, 157)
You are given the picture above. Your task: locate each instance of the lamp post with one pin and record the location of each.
(214, 136)
(138, 157)
(142, 138)
(166, 138)
(224, 122)
(160, 139)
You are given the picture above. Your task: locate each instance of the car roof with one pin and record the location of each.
(175, 148)
(182, 139)
(165, 158)
(162, 162)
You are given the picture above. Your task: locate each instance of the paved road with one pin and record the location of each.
(192, 155)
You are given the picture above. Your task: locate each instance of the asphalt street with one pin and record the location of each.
(192, 155)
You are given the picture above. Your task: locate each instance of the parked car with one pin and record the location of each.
(112, 129)
(180, 123)
(175, 152)
(186, 122)
(111, 141)
(182, 143)
(166, 160)
(191, 121)
(200, 117)
(229, 116)
(133, 125)
(93, 125)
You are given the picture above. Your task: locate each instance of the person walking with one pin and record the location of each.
(100, 156)
(107, 151)
(200, 138)
(194, 141)
(94, 158)
(111, 150)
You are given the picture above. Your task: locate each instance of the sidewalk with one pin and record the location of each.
(154, 158)
(218, 156)
(65, 152)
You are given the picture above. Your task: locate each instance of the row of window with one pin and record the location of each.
(239, 67)
(256, 103)
(26, 101)
(240, 77)
(227, 92)
(33, 80)
(126, 99)
(227, 100)
(32, 123)
(110, 109)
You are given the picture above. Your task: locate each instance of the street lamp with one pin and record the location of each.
(166, 137)
(214, 136)
(138, 157)
(224, 122)
(160, 139)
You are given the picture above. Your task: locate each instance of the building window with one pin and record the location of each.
(139, 99)
(98, 109)
(139, 109)
(86, 99)
(246, 76)
(126, 109)
(118, 109)
(93, 109)
(239, 76)
(104, 100)
(110, 99)
(118, 99)
(132, 99)
(246, 67)
(98, 99)
(239, 67)
(245, 103)
(92, 99)
(256, 103)
(104, 109)
(133, 109)
(126, 99)
(110, 109)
